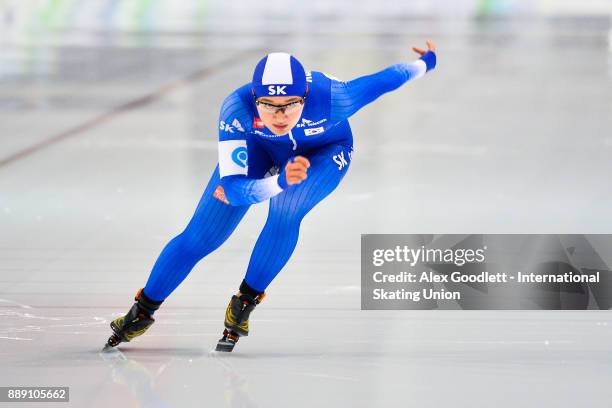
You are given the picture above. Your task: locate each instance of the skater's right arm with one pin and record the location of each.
(235, 156)
(241, 190)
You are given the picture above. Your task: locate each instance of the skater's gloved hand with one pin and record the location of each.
(430, 47)
(295, 171)
(429, 56)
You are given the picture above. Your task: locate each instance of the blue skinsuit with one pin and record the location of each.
(249, 154)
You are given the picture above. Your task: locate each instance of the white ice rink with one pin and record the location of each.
(108, 117)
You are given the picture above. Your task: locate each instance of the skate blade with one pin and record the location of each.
(224, 347)
(225, 344)
(108, 348)
(112, 342)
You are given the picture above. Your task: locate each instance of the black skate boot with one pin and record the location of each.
(135, 322)
(237, 316)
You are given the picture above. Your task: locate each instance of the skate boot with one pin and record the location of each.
(135, 322)
(237, 317)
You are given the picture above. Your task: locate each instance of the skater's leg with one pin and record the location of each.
(278, 239)
(212, 223)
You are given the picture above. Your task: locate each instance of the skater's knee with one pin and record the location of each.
(192, 244)
(285, 224)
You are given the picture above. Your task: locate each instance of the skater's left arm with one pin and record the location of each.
(348, 97)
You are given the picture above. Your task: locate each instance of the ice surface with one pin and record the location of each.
(510, 134)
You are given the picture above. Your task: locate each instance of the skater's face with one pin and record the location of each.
(280, 113)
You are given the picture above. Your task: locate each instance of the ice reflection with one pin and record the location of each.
(131, 369)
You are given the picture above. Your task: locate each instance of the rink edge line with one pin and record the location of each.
(139, 102)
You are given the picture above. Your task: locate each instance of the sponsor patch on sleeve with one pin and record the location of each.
(233, 158)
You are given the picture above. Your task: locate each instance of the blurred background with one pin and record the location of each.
(108, 119)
